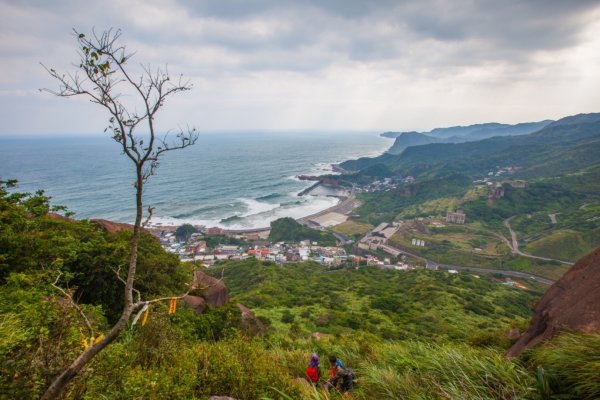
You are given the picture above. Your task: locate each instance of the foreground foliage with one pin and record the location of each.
(418, 335)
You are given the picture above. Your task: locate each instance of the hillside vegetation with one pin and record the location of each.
(289, 230)
(407, 335)
(391, 305)
(459, 134)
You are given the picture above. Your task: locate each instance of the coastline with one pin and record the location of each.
(322, 186)
(344, 206)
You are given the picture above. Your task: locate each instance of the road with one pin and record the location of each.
(432, 265)
(515, 245)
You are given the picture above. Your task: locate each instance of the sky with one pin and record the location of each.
(313, 65)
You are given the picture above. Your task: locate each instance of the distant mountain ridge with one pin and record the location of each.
(561, 146)
(459, 134)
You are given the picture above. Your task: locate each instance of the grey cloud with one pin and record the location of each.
(212, 40)
(414, 34)
(476, 32)
(246, 8)
(528, 25)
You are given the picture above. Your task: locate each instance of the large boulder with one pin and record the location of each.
(195, 302)
(213, 290)
(572, 303)
(249, 322)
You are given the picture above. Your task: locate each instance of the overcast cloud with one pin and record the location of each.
(315, 65)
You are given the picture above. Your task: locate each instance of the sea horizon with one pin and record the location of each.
(230, 180)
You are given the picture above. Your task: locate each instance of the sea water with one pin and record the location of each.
(232, 180)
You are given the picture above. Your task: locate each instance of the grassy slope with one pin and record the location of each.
(561, 245)
(575, 197)
(389, 304)
(352, 228)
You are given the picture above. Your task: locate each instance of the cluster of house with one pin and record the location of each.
(496, 187)
(499, 171)
(384, 184)
(417, 242)
(195, 249)
(457, 217)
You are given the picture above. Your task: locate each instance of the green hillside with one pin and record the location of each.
(560, 244)
(288, 230)
(388, 304)
(558, 166)
(416, 334)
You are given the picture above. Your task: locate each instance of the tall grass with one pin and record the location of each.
(571, 365)
(417, 370)
(161, 364)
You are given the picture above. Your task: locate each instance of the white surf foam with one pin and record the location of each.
(254, 207)
(259, 214)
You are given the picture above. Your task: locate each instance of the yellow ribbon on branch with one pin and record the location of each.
(145, 319)
(85, 342)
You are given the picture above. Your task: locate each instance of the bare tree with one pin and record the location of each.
(132, 102)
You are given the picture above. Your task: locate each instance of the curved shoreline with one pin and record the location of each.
(345, 205)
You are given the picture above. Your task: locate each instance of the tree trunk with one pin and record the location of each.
(76, 366)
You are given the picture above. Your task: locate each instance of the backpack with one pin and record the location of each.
(346, 374)
(312, 374)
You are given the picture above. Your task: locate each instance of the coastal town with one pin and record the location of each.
(208, 246)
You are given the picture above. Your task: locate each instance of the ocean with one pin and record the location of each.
(231, 180)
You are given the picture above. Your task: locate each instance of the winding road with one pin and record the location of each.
(515, 245)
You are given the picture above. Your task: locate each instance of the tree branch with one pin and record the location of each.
(120, 278)
(69, 297)
(147, 221)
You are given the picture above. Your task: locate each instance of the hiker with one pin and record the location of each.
(339, 375)
(313, 371)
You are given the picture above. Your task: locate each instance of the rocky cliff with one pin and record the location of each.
(572, 303)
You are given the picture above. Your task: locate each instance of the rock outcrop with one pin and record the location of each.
(211, 289)
(572, 303)
(249, 322)
(52, 215)
(195, 302)
(112, 227)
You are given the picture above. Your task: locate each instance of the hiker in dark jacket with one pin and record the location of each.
(340, 376)
(313, 371)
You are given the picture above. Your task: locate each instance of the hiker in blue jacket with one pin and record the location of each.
(339, 375)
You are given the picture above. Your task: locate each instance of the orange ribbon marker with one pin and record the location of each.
(173, 306)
